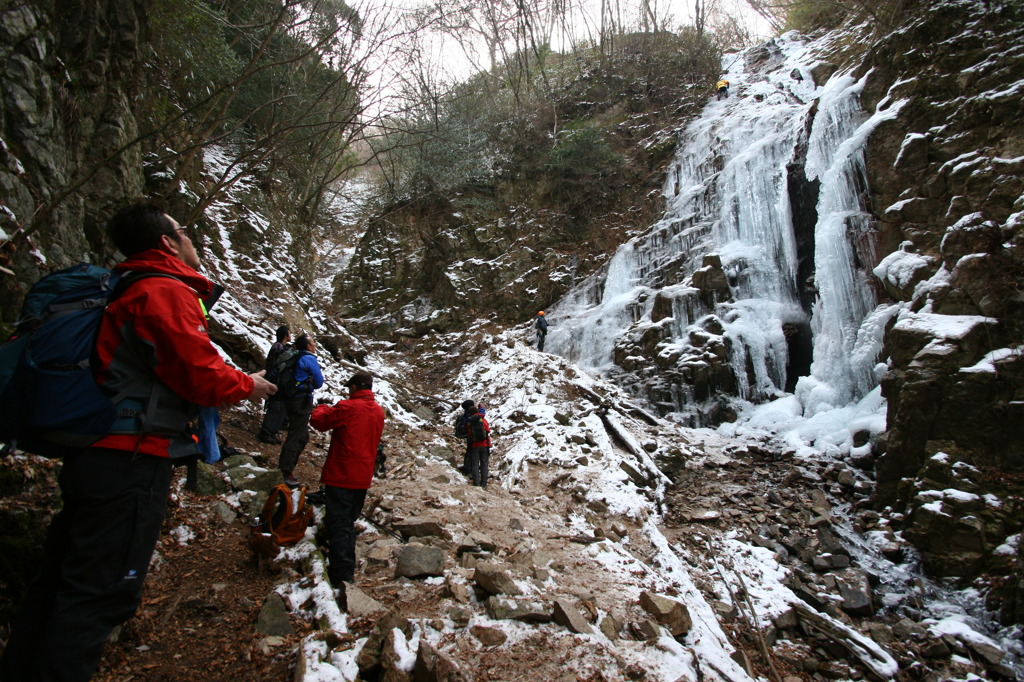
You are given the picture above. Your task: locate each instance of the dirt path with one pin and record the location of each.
(202, 600)
(204, 593)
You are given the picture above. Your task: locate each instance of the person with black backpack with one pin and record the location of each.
(274, 408)
(461, 431)
(154, 357)
(298, 377)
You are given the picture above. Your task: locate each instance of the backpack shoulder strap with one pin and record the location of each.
(123, 283)
(131, 277)
(268, 505)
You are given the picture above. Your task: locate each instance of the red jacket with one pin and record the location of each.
(157, 329)
(357, 425)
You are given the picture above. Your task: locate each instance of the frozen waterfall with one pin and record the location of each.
(847, 331)
(743, 264)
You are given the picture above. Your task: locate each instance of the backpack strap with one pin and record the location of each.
(129, 405)
(58, 309)
(130, 277)
(307, 383)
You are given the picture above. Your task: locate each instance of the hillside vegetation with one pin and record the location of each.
(539, 177)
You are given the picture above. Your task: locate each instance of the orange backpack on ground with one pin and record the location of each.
(283, 521)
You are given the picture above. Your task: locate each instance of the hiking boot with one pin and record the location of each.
(341, 597)
(268, 438)
(291, 482)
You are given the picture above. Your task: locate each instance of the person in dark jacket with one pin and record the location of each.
(153, 345)
(298, 407)
(479, 447)
(542, 330)
(356, 426)
(468, 408)
(274, 407)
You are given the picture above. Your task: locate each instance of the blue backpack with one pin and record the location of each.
(50, 404)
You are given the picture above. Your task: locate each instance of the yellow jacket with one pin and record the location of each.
(722, 84)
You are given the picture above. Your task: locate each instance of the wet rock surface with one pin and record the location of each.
(948, 184)
(856, 567)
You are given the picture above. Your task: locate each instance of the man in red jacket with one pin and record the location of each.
(357, 424)
(153, 350)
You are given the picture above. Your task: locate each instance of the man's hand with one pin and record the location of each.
(261, 388)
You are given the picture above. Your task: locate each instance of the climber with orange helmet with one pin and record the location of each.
(542, 330)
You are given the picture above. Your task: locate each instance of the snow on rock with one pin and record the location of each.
(902, 269)
(545, 392)
(183, 534)
(988, 363)
(942, 326)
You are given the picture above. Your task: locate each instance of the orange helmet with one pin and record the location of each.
(541, 313)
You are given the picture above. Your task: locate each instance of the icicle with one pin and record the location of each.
(836, 158)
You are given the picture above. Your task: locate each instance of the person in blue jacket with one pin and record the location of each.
(299, 406)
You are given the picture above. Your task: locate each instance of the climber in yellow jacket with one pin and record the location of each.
(723, 88)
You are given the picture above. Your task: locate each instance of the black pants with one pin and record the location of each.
(540, 340)
(95, 558)
(274, 415)
(343, 508)
(298, 410)
(478, 459)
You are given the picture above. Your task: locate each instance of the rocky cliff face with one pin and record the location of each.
(442, 268)
(75, 145)
(947, 179)
(67, 74)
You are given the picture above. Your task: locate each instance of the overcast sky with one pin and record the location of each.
(448, 59)
(678, 12)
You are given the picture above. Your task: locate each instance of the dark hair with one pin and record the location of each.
(468, 405)
(282, 332)
(360, 380)
(302, 343)
(139, 226)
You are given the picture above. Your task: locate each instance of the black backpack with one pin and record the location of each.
(477, 432)
(272, 357)
(277, 363)
(460, 426)
(284, 373)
